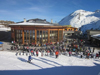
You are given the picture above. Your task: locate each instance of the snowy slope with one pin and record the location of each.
(10, 64)
(82, 19)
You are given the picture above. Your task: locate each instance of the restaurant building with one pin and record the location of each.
(38, 31)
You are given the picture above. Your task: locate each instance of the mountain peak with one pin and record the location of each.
(81, 18)
(77, 12)
(80, 10)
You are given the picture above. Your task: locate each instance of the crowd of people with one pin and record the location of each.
(75, 47)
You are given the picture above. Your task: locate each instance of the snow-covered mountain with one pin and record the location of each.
(82, 19)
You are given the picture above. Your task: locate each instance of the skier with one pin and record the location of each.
(88, 54)
(93, 49)
(19, 52)
(57, 53)
(23, 52)
(16, 53)
(37, 53)
(70, 53)
(32, 53)
(26, 53)
(97, 55)
(81, 54)
(92, 55)
(29, 58)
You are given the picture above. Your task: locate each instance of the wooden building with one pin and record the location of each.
(37, 31)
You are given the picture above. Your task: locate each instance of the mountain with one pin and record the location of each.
(84, 20)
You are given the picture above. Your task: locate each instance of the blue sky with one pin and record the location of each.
(17, 10)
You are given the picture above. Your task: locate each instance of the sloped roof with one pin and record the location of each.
(27, 23)
(37, 20)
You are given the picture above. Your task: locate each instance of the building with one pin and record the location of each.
(37, 31)
(92, 32)
(94, 37)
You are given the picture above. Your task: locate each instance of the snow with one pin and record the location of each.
(96, 35)
(3, 28)
(82, 19)
(10, 64)
(27, 23)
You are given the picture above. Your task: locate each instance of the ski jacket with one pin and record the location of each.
(31, 51)
(36, 52)
(29, 58)
(56, 52)
(97, 55)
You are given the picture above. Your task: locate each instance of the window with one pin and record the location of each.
(74, 29)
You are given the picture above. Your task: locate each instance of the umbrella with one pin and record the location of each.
(1, 42)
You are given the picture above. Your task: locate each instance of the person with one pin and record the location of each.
(74, 49)
(42, 52)
(23, 52)
(48, 52)
(32, 53)
(57, 53)
(29, 58)
(81, 54)
(93, 49)
(92, 55)
(12, 42)
(97, 55)
(88, 54)
(16, 53)
(70, 53)
(37, 53)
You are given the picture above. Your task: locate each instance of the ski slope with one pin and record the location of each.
(10, 64)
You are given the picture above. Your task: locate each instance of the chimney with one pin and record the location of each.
(24, 20)
(55, 22)
(51, 21)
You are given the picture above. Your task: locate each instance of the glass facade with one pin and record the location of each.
(53, 36)
(29, 36)
(18, 36)
(42, 36)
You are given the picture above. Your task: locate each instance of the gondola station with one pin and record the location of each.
(38, 31)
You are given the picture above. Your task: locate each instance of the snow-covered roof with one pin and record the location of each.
(27, 23)
(96, 35)
(1, 25)
(3, 28)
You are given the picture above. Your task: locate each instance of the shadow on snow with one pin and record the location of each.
(62, 70)
(23, 60)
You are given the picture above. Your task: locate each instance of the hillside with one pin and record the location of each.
(83, 19)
